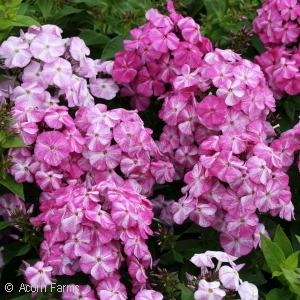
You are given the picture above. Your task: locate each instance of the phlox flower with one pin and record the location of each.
(148, 295)
(231, 91)
(51, 147)
(111, 289)
(38, 276)
(16, 52)
(248, 291)
(190, 30)
(229, 277)
(187, 53)
(209, 291)
(183, 208)
(77, 48)
(204, 213)
(202, 260)
(104, 88)
(74, 292)
(187, 79)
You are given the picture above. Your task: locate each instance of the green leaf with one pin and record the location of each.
(186, 293)
(24, 297)
(92, 37)
(13, 142)
(45, 7)
(67, 10)
(24, 250)
(296, 101)
(5, 23)
(113, 46)
(4, 224)
(196, 8)
(257, 43)
(292, 261)
(178, 257)
(276, 274)
(215, 8)
(273, 254)
(25, 21)
(98, 3)
(283, 242)
(13, 186)
(289, 109)
(293, 280)
(167, 259)
(279, 294)
(298, 238)
(12, 3)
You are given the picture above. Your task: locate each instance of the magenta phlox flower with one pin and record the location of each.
(16, 52)
(231, 91)
(162, 171)
(158, 19)
(288, 32)
(220, 72)
(271, 158)
(74, 138)
(187, 53)
(98, 135)
(258, 170)
(57, 117)
(32, 92)
(27, 131)
(140, 37)
(51, 147)
(228, 55)
(289, 9)
(136, 269)
(190, 30)
(126, 66)
(163, 40)
(48, 181)
(74, 292)
(246, 75)
(148, 84)
(168, 68)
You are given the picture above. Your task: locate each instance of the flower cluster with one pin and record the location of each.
(278, 26)
(221, 281)
(216, 134)
(95, 169)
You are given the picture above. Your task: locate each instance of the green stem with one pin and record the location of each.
(226, 5)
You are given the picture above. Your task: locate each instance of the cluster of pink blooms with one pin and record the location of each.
(278, 26)
(216, 134)
(217, 282)
(95, 170)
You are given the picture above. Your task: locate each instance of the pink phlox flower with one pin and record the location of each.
(271, 158)
(220, 72)
(229, 278)
(235, 122)
(32, 92)
(268, 196)
(235, 143)
(204, 213)
(50, 29)
(87, 68)
(140, 37)
(148, 84)
(111, 289)
(99, 262)
(209, 291)
(51, 147)
(197, 182)
(253, 102)
(21, 171)
(227, 167)
(183, 208)
(148, 295)
(47, 47)
(79, 243)
(260, 228)
(138, 164)
(187, 156)
(187, 79)
(24, 112)
(202, 260)
(289, 9)
(126, 66)
(246, 75)
(162, 171)
(77, 48)
(228, 55)
(16, 52)
(236, 246)
(38, 276)
(74, 292)
(27, 131)
(104, 88)
(231, 91)
(136, 269)
(211, 110)
(290, 86)
(56, 117)
(70, 165)
(32, 73)
(247, 192)
(48, 181)
(258, 170)
(97, 136)
(58, 72)
(284, 148)
(74, 138)
(158, 19)
(188, 119)
(244, 226)
(190, 30)
(248, 291)
(216, 192)
(187, 53)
